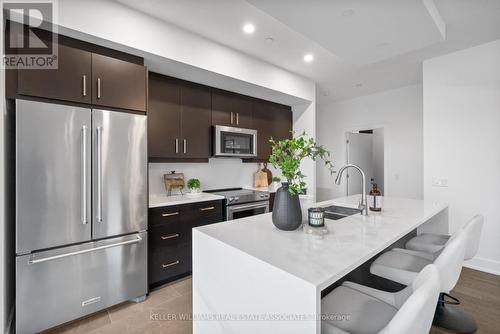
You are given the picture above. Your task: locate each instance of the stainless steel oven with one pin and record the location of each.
(234, 142)
(246, 210)
(240, 203)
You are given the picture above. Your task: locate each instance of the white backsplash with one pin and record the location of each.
(216, 174)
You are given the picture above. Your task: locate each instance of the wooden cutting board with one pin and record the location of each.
(260, 178)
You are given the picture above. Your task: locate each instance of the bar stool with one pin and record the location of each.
(354, 308)
(400, 265)
(433, 243)
(448, 315)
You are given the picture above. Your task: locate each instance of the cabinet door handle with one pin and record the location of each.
(170, 264)
(232, 117)
(208, 208)
(185, 146)
(98, 88)
(237, 118)
(171, 236)
(176, 145)
(169, 214)
(84, 174)
(84, 84)
(99, 172)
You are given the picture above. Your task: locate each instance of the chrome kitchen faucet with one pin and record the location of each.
(363, 205)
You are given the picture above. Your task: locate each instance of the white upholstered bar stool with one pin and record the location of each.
(448, 315)
(354, 308)
(400, 265)
(433, 243)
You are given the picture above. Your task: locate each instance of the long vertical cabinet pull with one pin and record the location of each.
(185, 146)
(232, 117)
(84, 84)
(84, 174)
(98, 88)
(237, 118)
(99, 172)
(176, 145)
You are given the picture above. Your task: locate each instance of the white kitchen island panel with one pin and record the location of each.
(248, 268)
(237, 293)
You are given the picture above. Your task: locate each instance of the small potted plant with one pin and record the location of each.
(286, 156)
(194, 186)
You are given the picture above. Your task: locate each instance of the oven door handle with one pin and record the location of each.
(248, 206)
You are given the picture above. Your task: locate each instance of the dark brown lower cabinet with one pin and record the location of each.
(170, 238)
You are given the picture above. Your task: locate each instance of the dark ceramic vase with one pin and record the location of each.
(287, 215)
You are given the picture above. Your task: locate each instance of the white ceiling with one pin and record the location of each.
(379, 44)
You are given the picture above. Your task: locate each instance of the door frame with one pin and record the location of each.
(346, 150)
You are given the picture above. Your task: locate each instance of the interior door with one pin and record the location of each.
(119, 173)
(52, 175)
(359, 152)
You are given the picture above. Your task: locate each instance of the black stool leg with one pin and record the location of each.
(450, 317)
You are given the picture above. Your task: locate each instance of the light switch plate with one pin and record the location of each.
(439, 182)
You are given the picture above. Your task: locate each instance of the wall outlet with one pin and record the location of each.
(439, 182)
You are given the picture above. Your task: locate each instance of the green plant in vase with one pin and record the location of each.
(287, 155)
(194, 185)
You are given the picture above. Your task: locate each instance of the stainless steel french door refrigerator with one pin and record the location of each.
(81, 212)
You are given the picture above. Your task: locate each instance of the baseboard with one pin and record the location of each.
(482, 264)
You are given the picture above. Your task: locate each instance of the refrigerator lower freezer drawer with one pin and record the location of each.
(59, 285)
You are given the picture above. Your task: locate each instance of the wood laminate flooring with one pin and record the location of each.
(478, 292)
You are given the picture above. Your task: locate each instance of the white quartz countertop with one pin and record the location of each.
(156, 201)
(269, 189)
(352, 240)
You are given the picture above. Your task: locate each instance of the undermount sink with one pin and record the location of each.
(335, 212)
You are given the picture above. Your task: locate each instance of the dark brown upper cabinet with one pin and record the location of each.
(231, 110)
(196, 121)
(164, 118)
(118, 84)
(271, 120)
(179, 120)
(86, 74)
(70, 82)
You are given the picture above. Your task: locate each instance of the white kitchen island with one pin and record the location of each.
(249, 277)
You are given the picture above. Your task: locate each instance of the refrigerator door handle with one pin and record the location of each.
(99, 173)
(55, 257)
(84, 174)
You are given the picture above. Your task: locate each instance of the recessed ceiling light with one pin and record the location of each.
(248, 28)
(348, 12)
(269, 40)
(308, 58)
(358, 85)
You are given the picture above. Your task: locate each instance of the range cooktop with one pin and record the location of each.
(240, 195)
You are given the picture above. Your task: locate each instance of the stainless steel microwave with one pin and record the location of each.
(234, 142)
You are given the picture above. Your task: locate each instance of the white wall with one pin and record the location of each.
(399, 113)
(115, 25)
(112, 21)
(462, 141)
(216, 174)
(378, 157)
